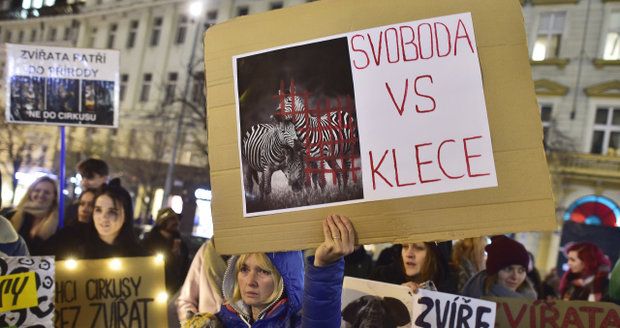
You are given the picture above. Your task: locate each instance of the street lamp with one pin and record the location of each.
(194, 11)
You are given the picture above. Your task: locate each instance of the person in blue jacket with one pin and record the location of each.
(268, 289)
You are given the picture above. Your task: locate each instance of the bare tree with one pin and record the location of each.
(22, 145)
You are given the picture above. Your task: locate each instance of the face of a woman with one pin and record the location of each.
(575, 264)
(86, 206)
(413, 257)
(255, 283)
(108, 217)
(512, 276)
(43, 194)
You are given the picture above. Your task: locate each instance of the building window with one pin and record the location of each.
(198, 92)
(211, 18)
(276, 5)
(7, 36)
(159, 137)
(51, 36)
(133, 32)
(20, 36)
(243, 10)
(112, 35)
(157, 23)
(67, 34)
(549, 35)
(124, 80)
(146, 87)
(181, 30)
(93, 37)
(606, 130)
(33, 35)
(612, 37)
(545, 118)
(171, 86)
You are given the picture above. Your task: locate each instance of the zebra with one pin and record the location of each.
(267, 148)
(327, 137)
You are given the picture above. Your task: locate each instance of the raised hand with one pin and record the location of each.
(339, 240)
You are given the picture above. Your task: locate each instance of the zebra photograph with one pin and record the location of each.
(298, 128)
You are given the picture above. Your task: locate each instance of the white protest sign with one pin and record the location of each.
(421, 111)
(62, 86)
(441, 310)
(27, 286)
(398, 111)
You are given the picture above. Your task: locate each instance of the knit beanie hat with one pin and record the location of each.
(503, 252)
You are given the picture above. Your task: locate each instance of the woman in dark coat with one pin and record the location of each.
(505, 274)
(418, 263)
(110, 233)
(587, 277)
(36, 216)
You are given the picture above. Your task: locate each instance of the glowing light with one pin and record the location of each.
(195, 9)
(540, 50)
(71, 264)
(115, 264)
(176, 203)
(162, 297)
(159, 258)
(26, 4)
(202, 194)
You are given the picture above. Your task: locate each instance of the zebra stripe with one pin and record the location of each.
(333, 131)
(266, 145)
(268, 148)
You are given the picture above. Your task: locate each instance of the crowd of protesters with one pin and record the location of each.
(268, 288)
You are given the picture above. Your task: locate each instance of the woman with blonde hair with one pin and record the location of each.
(36, 216)
(468, 258)
(271, 289)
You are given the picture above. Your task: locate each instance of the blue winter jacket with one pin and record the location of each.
(317, 305)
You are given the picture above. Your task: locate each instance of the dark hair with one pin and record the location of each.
(434, 268)
(120, 196)
(91, 166)
(95, 193)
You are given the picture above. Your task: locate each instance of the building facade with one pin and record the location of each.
(574, 47)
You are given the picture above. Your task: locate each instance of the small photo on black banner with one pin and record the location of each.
(27, 98)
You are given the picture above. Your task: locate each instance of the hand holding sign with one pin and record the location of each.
(339, 240)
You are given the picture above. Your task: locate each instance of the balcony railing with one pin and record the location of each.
(584, 166)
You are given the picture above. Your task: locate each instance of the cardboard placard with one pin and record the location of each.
(27, 291)
(512, 313)
(116, 292)
(404, 145)
(62, 86)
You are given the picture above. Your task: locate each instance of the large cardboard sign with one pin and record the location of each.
(118, 292)
(62, 86)
(395, 120)
(512, 313)
(26, 291)
(414, 124)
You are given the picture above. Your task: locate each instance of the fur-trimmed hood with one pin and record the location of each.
(290, 265)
